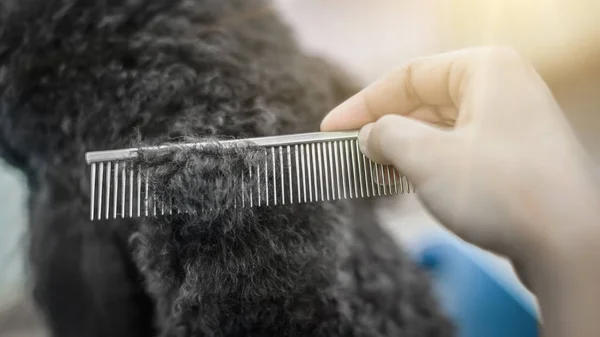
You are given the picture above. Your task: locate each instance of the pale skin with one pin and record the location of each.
(495, 161)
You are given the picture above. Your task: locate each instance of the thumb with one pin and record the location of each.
(416, 149)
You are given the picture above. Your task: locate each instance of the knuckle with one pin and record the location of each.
(409, 86)
(403, 76)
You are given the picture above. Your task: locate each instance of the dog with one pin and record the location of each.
(86, 75)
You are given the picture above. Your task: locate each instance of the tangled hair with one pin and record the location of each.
(85, 75)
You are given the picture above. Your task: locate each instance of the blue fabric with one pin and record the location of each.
(12, 224)
(482, 303)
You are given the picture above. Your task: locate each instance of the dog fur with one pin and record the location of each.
(85, 75)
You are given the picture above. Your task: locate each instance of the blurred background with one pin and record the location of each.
(560, 37)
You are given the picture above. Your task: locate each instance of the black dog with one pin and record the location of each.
(84, 75)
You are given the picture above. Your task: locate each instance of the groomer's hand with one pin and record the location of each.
(493, 158)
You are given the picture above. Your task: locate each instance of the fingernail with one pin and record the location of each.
(363, 138)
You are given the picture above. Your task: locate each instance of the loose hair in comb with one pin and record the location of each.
(299, 168)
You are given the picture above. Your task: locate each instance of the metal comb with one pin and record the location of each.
(310, 167)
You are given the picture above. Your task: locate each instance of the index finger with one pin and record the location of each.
(438, 80)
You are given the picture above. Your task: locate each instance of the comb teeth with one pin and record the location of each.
(329, 168)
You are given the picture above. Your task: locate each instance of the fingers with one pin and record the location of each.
(418, 150)
(425, 81)
(441, 80)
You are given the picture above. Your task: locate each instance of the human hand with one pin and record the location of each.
(489, 150)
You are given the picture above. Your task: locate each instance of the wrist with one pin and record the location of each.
(564, 272)
(566, 219)
(568, 294)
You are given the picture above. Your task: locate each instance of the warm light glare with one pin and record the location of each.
(547, 31)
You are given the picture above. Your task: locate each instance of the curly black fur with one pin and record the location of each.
(84, 75)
